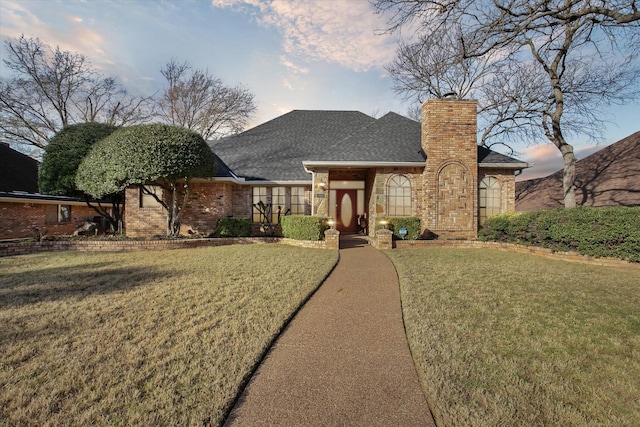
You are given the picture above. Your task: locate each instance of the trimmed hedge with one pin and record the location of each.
(233, 227)
(600, 232)
(395, 223)
(303, 227)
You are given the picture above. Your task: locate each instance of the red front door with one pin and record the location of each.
(346, 214)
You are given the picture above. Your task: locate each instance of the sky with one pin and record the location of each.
(292, 54)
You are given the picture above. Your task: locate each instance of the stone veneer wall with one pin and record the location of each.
(378, 203)
(450, 189)
(321, 190)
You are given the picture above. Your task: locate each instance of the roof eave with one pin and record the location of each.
(519, 165)
(358, 164)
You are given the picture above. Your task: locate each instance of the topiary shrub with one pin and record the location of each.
(303, 227)
(395, 223)
(233, 227)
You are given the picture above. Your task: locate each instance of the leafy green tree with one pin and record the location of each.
(62, 157)
(148, 155)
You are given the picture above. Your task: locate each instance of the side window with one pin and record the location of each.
(259, 195)
(64, 213)
(147, 200)
(277, 200)
(489, 195)
(298, 203)
(57, 214)
(399, 196)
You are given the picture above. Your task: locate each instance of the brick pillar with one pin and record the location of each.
(384, 239)
(332, 239)
(450, 197)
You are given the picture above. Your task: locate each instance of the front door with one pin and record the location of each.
(346, 221)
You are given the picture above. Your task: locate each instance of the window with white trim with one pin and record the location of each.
(490, 198)
(399, 196)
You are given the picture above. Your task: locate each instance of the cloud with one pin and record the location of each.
(71, 34)
(339, 31)
(547, 159)
(293, 67)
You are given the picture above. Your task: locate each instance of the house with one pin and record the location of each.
(608, 177)
(24, 212)
(340, 164)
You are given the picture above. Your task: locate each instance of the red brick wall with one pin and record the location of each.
(17, 219)
(207, 202)
(143, 222)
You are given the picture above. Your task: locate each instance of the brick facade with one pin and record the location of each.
(20, 219)
(444, 192)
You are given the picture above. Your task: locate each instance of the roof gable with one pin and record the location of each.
(391, 138)
(276, 150)
(18, 172)
(608, 177)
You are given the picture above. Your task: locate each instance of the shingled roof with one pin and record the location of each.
(18, 172)
(609, 177)
(276, 150)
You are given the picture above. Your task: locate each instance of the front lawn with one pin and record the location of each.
(142, 338)
(512, 339)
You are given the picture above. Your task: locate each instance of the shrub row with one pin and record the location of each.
(410, 223)
(233, 227)
(303, 227)
(600, 232)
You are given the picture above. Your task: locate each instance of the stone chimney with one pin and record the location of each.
(450, 204)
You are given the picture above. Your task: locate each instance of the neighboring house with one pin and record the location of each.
(340, 164)
(608, 177)
(26, 213)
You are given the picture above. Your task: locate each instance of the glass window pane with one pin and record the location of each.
(259, 195)
(298, 202)
(399, 196)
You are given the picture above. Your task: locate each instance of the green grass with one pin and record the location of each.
(142, 338)
(512, 339)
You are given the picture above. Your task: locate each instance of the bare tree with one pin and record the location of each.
(434, 66)
(203, 103)
(50, 89)
(564, 61)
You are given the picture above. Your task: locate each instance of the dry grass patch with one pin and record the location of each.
(142, 338)
(512, 339)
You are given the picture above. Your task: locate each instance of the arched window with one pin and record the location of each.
(490, 198)
(399, 196)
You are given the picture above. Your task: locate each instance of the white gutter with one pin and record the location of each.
(358, 164)
(522, 165)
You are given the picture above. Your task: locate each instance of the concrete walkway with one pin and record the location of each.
(344, 359)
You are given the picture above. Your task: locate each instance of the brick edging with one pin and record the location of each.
(512, 247)
(22, 248)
